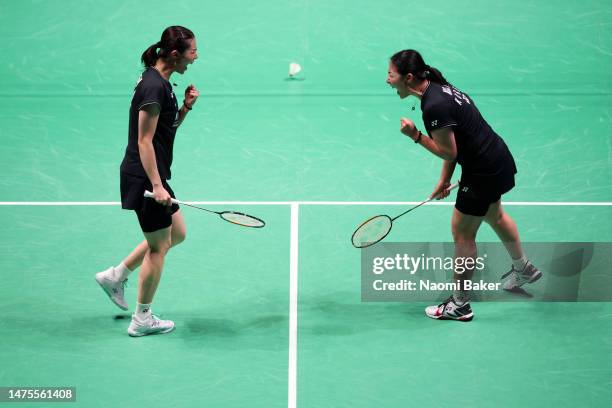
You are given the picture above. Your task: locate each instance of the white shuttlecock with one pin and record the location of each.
(294, 68)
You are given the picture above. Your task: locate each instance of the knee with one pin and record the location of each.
(494, 218)
(463, 236)
(495, 215)
(160, 247)
(464, 227)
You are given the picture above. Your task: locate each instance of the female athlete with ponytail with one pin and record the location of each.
(459, 134)
(154, 118)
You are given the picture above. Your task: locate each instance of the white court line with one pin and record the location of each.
(59, 203)
(329, 203)
(293, 307)
(449, 203)
(117, 203)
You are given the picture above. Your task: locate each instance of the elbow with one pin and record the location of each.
(449, 155)
(143, 142)
(144, 145)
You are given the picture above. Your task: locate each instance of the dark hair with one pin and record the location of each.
(410, 61)
(173, 38)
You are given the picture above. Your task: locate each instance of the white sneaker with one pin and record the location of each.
(152, 325)
(516, 279)
(114, 289)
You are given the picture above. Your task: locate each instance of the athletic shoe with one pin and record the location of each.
(113, 288)
(152, 325)
(516, 279)
(449, 310)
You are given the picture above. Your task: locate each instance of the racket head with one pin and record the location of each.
(244, 220)
(371, 231)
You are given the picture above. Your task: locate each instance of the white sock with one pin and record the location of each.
(519, 264)
(121, 272)
(143, 311)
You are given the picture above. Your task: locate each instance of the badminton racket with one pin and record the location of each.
(375, 229)
(234, 217)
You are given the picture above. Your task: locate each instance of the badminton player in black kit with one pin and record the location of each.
(457, 133)
(155, 116)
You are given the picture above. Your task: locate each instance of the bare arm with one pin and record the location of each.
(147, 123)
(448, 168)
(442, 145)
(191, 96)
(441, 190)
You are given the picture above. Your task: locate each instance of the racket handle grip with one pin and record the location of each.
(149, 194)
(450, 188)
(453, 186)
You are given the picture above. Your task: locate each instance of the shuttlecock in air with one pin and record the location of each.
(294, 68)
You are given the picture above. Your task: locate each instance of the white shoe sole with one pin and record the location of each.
(534, 278)
(132, 333)
(465, 318)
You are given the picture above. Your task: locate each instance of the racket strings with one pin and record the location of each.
(242, 219)
(377, 228)
(372, 231)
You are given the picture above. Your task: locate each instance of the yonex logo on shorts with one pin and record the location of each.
(434, 122)
(465, 189)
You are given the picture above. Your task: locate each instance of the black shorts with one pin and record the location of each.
(152, 216)
(478, 191)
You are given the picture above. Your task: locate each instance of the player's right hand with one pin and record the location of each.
(408, 128)
(162, 196)
(441, 190)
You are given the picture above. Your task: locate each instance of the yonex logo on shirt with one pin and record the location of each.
(434, 122)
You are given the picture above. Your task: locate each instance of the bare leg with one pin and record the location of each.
(177, 235)
(153, 264)
(464, 228)
(134, 259)
(505, 228)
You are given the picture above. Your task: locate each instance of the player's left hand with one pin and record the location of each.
(191, 95)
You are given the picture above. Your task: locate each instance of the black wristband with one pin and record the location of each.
(186, 106)
(418, 138)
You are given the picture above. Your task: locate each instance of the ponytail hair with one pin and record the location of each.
(411, 62)
(150, 56)
(173, 38)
